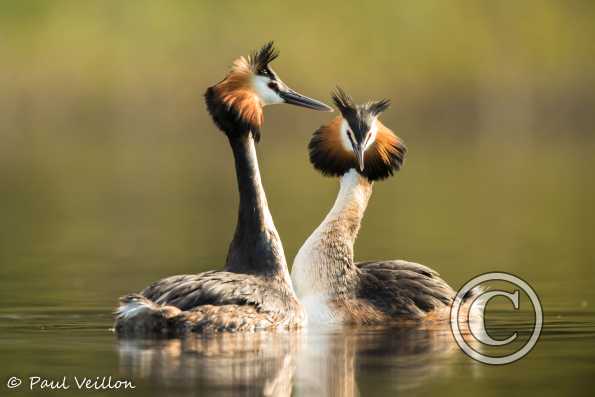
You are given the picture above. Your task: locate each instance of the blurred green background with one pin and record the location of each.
(112, 174)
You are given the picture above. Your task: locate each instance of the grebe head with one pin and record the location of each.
(252, 84)
(357, 139)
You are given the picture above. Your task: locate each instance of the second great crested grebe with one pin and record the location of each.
(359, 149)
(254, 291)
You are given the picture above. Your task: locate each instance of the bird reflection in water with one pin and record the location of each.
(261, 363)
(329, 362)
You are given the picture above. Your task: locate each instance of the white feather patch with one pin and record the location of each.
(132, 309)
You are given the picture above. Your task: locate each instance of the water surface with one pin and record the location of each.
(112, 176)
(53, 342)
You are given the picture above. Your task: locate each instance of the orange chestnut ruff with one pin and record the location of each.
(328, 154)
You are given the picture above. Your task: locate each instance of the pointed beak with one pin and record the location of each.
(295, 98)
(359, 154)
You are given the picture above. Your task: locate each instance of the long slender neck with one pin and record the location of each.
(256, 247)
(325, 264)
(345, 218)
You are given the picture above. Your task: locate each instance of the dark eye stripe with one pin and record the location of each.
(349, 135)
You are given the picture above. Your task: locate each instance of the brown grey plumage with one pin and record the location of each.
(403, 289)
(332, 287)
(208, 302)
(254, 292)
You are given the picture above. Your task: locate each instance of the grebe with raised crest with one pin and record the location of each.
(254, 291)
(333, 288)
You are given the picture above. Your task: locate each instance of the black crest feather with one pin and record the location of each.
(343, 101)
(261, 58)
(377, 107)
(347, 106)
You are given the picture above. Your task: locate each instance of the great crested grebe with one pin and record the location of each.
(357, 147)
(254, 291)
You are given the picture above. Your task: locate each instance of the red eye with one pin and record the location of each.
(273, 86)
